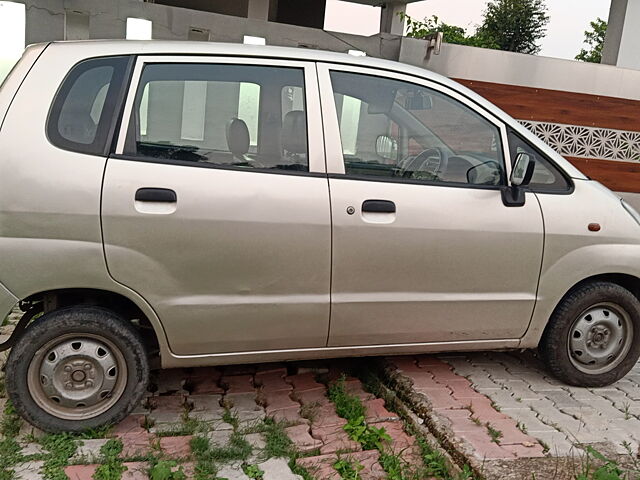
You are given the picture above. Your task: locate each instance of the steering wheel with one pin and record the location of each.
(429, 164)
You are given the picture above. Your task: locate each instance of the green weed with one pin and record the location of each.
(252, 471)
(348, 470)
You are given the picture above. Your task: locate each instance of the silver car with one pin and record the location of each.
(219, 204)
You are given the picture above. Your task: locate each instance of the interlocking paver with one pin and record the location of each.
(558, 415)
(231, 472)
(205, 407)
(88, 450)
(277, 469)
(29, 470)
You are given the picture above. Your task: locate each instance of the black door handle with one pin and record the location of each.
(379, 206)
(165, 195)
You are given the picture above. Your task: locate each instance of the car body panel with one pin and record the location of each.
(51, 233)
(573, 253)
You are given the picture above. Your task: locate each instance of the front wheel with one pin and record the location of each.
(77, 368)
(593, 336)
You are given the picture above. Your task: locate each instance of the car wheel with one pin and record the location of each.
(593, 336)
(77, 368)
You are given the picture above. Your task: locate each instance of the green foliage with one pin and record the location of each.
(347, 469)
(60, 448)
(594, 38)
(511, 25)
(450, 33)
(111, 468)
(515, 25)
(347, 406)
(252, 471)
(494, 433)
(10, 425)
(608, 470)
(165, 470)
(368, 436)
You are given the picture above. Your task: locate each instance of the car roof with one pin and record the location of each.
(96, 48)
(181, 47)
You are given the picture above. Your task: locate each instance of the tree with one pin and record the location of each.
(595, 39)
(450, 33)
(512, 25)
(515, 25)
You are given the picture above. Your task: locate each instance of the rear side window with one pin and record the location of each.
(220, 115)
(83, 111)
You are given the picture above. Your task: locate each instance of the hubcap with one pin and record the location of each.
(600, 338)
(77, 377)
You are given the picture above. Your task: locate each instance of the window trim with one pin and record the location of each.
(541, 190)
(316, 154)
(105, 132)
(333, 144)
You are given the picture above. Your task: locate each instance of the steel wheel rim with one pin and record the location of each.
(600, 338)
(77, 376)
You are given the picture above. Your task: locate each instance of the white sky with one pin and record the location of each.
(565, 31)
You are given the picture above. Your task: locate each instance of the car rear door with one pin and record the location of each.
(423, 250)
(215, 206)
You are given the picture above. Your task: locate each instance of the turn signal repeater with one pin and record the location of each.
(594, 227)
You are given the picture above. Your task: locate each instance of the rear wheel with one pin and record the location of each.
(76, 369)
(593, 336)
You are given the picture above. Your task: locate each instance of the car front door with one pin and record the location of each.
(215, 206)
(424, 249)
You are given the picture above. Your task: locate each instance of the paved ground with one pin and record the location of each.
(280, 422)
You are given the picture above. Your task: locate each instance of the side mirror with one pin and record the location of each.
(387, 147)
(521, 175)
(523, 169)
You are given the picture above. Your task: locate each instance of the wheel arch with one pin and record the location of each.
(127, 308)
(629, 282)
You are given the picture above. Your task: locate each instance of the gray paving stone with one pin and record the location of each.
(630, 388)
(277, 469)
(561, 399)
(529, 419)
(29, 471)
(88, 450)
(32, 449)
(232, 472)
(219, 438)
(206, 407)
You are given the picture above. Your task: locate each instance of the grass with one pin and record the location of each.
(60, 448)
(166, 470)
(111, 467)
(494, 433)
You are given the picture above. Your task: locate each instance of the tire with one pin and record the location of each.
(593, 336)
(76, 369)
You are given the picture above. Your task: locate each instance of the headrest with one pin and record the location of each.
(237, 137)
(294, 132)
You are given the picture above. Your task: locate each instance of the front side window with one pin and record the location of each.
(391, 128)
(225, 115)
(84, 108)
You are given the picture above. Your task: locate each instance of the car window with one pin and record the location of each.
(242, 116)
(84, 108)
(391, 128)
(546, 176)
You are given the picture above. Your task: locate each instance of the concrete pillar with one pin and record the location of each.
(258, 9)
(623, 35)
(390, 21)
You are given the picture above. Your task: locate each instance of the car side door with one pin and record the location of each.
(424, 249)
(215, 205)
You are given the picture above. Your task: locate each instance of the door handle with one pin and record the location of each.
(379, 206)
(164, 195)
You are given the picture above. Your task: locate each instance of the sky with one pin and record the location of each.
(565, 31)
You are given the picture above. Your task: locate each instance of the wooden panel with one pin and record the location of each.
(525, 103)
(618, 176)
